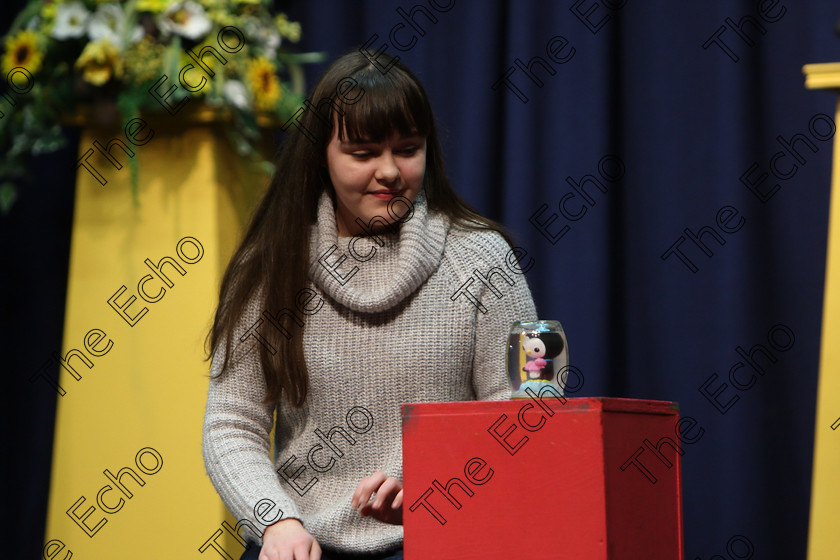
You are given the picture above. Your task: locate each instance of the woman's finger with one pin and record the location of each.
(315, 551)
(397, 503)
(386, 492)
(366, 488)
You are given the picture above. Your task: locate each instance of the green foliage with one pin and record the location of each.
(115, 51)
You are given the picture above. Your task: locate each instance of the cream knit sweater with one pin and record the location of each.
(394, 332)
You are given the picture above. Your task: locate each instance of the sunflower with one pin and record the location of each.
(22, 50)
(264, 84)
(100, 61)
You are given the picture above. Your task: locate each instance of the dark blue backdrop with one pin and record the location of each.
(686, 123)
(676, 129)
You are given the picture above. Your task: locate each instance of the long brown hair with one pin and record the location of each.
(275, 250)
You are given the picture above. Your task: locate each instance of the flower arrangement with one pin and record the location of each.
(61, 56)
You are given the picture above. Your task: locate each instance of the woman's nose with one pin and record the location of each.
(387, 172)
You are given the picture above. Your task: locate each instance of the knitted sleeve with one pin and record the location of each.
(236, 443)
(501, 296)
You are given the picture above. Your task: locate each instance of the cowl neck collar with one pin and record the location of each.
(397, 268)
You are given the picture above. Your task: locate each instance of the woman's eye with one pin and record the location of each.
(409, 151)
(361, 155)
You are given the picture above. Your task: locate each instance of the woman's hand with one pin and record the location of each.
(387, 505)
(288, 540)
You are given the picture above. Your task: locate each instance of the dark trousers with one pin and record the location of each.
(253, 553)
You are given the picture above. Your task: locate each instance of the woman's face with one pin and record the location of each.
(367, 175)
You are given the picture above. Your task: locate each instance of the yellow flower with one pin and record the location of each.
(100, 61)
(22, 50)
(293, 32)
(144, 60)
(223, 17)
(48, 11)
(153, 6)
(264, 84)
(288, 29)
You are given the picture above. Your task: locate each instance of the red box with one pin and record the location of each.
(584, 479)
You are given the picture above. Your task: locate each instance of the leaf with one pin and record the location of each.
(301, 58)
(128, 102)
(21, 144)
(297, 76)
(52, 140)
(239, 143)
(12, 167)
(266, 167)
(172, 59)
(30, 11)
(247, 122)
(8, 195)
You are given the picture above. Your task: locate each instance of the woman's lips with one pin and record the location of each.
(387, 195)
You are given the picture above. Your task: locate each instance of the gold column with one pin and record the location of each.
(825, 486)
(141, 404)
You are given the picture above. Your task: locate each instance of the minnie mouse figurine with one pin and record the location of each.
(541, 348)
(542, 343)
(534, 352)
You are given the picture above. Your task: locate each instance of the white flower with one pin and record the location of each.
(263, 34)
(109, 22)
(187, 19)
(70, 20)
(271, 42)
(235, 92)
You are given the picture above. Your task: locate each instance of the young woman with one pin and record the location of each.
(363, 282)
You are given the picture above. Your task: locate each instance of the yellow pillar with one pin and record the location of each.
(137, 412)
(825, 486)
